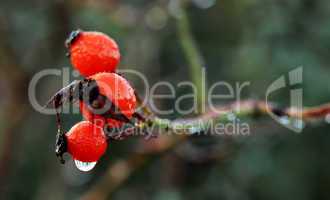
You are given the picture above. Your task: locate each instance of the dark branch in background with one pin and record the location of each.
(15, 82)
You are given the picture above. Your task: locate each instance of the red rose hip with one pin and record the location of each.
(86, 142)
(119, 92)
(92, 52)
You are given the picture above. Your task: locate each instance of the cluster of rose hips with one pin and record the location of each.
(106, 99)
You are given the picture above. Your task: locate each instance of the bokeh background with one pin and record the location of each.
(237, 41)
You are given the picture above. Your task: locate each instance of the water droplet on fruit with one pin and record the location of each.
(84, 166)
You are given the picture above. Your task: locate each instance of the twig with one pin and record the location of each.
(192, 55)
(118, 173)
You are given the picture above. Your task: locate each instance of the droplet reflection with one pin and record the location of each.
(84, 166)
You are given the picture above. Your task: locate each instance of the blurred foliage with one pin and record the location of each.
(242, 40)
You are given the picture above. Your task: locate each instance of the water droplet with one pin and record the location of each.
(84, 166)
(299, 124)
(285, 120)
(231, 116)
(327, 118)
(194, 130)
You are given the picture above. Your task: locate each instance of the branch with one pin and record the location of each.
(192, 54)
(15, 81)
(118, 173)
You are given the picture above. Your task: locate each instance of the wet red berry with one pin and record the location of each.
(86, 142)
(98, 120)
(93, 52)
(119, 92)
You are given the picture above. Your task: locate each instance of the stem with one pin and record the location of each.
(193, 57)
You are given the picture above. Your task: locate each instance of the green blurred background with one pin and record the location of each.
(239, 40)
